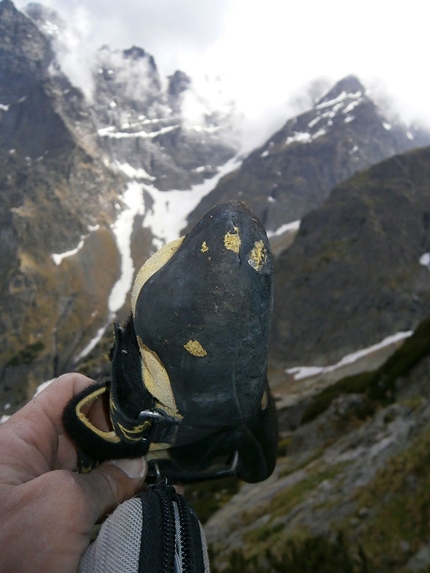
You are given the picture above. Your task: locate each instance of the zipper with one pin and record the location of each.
(168, 497)
(185, 533)
(164, 492)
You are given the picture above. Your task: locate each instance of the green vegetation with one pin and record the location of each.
(207, 497)
(399, 498)
(378, 385)
(396, 523)
(390, 516)
(283, 445)
(282, 503)
(311, 555)
(27, 355)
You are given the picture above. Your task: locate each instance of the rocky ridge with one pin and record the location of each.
(296, 169)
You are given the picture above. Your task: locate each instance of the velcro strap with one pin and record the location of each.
(153, 425)
(129, 395)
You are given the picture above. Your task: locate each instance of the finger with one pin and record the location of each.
(30, 439)
(112, 483)
(53, 399)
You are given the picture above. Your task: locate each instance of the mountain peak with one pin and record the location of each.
(178, 83)
(349, 85)
(7, 7)
(6, 4)
(25, 54)
(134, 53)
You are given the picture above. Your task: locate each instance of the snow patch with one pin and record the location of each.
(58, 257)
(386, 126)
(409, 135)
(122, 229)
(318, 134)
(351, 106)
(210, 129)
(304, 137)
(4, 107)
(110, 132)
(94, 341)
(287, 228)
(132, 172)
(300, 372)
(170, 209)
(299, 137)
(315, 120)
(341, 97)
(425, 260)
(349, 118)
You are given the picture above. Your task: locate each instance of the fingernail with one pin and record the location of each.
(135, 468)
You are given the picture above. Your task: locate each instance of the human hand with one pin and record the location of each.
(47, 511)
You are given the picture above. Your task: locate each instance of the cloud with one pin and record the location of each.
(266, 50)
(71, 46)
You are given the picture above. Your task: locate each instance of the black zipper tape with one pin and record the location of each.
(159, 535)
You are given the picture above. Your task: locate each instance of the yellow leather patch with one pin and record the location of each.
(258, 255)
(156, 378)
(135, 434)
(195, 348)
(108, 436)
(152, 265)
(232, 241)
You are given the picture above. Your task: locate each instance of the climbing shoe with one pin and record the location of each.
(188, 384)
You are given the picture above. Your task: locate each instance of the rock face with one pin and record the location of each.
(72, 182)
(295, 170)
(142, 127)
(357, 271)
(52, 189)
(25, 55)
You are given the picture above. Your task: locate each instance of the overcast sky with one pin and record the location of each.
(268, 50)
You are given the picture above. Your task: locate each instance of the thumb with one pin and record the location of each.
(113, 482)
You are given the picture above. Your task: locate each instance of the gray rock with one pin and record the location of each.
(352, 276)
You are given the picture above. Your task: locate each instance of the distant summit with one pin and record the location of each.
(295, 170)
(349, 85)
